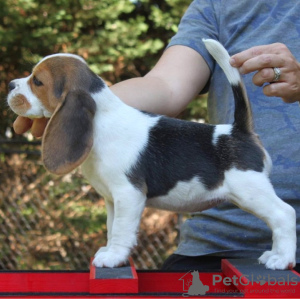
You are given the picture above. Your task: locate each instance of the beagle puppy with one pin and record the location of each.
(136, 159)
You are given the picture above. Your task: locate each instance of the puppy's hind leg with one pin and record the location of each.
(253, 192)
(129, 204)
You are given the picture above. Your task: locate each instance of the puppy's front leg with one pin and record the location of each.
(129, 204)
(109, 222)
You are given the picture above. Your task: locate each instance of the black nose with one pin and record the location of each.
(11, 86)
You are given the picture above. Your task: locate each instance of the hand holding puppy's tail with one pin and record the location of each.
(242, 114)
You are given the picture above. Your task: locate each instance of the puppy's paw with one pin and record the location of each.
(102, 249)
(111, 258)
(265, 256)
(275, 261)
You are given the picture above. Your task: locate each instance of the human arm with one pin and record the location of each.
(262, 60)
(179, 75)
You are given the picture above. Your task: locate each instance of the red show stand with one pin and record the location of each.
(238, 278)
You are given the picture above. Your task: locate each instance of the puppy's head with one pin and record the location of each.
(59, 87)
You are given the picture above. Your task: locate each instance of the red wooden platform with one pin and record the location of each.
(239, 278)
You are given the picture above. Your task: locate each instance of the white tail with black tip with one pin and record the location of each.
(242, 114)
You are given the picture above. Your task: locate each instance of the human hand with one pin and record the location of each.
(37, 125)
(263, 60)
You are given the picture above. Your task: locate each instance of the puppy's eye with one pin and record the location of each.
(37, 82)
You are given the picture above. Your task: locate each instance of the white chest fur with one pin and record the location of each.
(120, 134)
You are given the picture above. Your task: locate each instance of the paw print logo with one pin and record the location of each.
(261, 280)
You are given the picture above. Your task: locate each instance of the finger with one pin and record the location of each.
(38, 126)
(281, 90)
(22, 124)
(261, 62)
(265, 76)
(239, 59)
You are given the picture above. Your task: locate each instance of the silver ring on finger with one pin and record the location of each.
(277, 74)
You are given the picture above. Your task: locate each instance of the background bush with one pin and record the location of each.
(48, 222)
(119, 39)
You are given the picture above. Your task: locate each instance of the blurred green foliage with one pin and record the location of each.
(119, 39)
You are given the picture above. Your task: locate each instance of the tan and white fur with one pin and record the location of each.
(136, 159)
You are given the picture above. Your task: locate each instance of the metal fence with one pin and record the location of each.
(50, 222)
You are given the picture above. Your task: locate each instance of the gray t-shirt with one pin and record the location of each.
(239, 25)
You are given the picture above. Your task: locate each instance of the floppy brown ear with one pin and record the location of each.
(68, 137)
